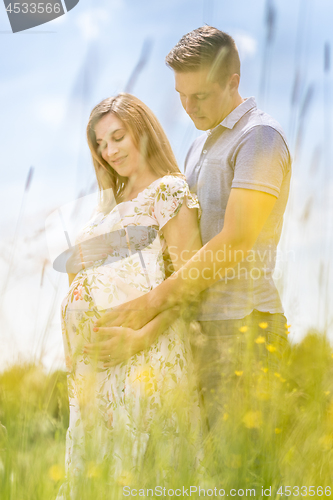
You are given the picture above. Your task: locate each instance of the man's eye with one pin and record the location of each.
(201, 97)
(118, 139)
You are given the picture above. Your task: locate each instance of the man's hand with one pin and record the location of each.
(118, 344)
(134, 314)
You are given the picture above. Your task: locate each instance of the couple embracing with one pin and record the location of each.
(126, 339)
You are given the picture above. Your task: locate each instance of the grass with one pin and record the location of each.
(283, 436)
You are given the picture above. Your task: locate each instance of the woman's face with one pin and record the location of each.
(116, 146)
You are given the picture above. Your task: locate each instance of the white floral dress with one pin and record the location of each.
(115, 407)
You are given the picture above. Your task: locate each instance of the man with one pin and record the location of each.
(240, 169)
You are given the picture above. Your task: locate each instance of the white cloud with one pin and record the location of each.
(247, 45)
(50, 110)
(90, 22)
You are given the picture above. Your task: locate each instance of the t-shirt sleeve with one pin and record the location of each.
(261, 160)
(171, 193)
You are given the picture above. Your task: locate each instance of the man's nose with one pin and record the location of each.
(191, 106)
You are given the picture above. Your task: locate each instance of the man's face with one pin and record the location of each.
(206, 102)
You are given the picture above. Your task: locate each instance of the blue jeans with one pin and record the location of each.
(229, 346)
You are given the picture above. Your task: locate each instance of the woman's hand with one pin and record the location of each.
(118, 344)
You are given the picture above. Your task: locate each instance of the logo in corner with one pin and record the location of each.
(28, 14)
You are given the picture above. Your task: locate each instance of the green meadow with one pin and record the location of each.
(270, 436)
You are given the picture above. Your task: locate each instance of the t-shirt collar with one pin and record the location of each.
(237, 113)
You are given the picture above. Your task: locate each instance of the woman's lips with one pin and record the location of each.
(118, 161)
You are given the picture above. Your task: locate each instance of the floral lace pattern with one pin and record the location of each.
(119, 404)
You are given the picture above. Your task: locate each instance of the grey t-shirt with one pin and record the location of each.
(248, 149)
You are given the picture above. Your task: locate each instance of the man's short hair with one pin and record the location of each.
(206, 47)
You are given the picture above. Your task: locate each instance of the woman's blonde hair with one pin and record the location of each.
(147, 134)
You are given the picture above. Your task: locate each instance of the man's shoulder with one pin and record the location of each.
(258, 121)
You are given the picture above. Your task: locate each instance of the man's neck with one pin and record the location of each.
(235, 103)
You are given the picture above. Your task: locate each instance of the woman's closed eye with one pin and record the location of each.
(102, 145)
(118, 139)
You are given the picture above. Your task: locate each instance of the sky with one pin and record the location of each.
(53, 75)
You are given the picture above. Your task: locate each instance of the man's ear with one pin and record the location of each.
(234, 82)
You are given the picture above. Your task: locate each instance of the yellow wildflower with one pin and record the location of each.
(260, 340)
(144, 378)
(289, 456)
(225, 417)
(125, 478)
(263, 325)
(327, 393)
(93, 470)
(277, 430)
(252, 419)
(262, 391)
(238, 373)
(270, 348)
(287, 326)
(265, 370)
(235, 461)
(56, 472)
(243, 329)
(326, 442)
(140, 375)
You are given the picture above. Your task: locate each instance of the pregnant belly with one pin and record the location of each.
(92, 293)
(107, 286)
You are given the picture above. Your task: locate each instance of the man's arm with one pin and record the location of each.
(246, 213)
(182, 236)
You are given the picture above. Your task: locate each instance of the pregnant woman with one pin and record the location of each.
(145, 207)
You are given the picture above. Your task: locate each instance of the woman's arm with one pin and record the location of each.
(182, 236)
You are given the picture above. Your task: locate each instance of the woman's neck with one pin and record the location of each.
(134, 187)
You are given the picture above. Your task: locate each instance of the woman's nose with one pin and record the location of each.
(112, 149)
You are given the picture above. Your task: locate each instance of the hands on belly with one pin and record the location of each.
(124, 331)
(117, 344)
(133, 314)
